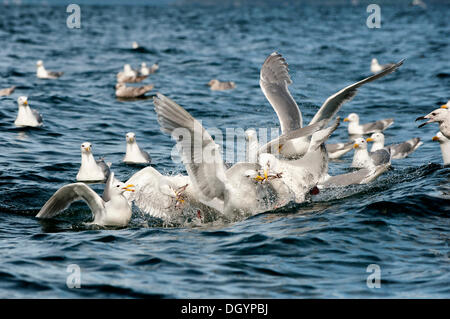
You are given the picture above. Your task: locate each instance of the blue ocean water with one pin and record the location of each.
(320, 249)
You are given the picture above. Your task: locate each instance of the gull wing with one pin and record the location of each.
(272, 146)
(207, 174)
(361, 176)
(274, 81)
(68, 194)
(334, 102)
(380, 157)
(377, 126)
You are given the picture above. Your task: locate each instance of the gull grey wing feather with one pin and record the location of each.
(68, 194)
(146, 156)
(380, 157)
(55, 74)
(37, 115)
(377, 126)
(331, 148)
(105, 167)
(272, 146)
(274, 81)
(361, 176)
(404, 149)
(334, 102)
(207, 175)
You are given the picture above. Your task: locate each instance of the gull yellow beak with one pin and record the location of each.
(25, 102)
(346, 119)
(88, 148)
(444, 106)
(356, 146)
(435, 138)
(369, 139)
(127, 188)
(265, 174)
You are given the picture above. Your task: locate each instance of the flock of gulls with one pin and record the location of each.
(291, 168)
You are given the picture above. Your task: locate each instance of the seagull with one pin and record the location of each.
(234, 191)
(302, 175)
(375, 67)
(354, 128)
(274, 82)
(123, 91)
(134, 155)
(398, 151)
(338, 149)
(135, 45)
(145, 70)
(444, 143)
(129, 75)
(116, 211)
(441, 116)
(216, 85)
(7, 91)
(42, 73)
(92, 170)
(363, 159)
(26, 115)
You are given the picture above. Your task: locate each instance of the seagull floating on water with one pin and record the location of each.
(216, 85)
(123, 91)
(42, 73)
(92, 170)
(145, 70)
(116, 211)
(398, 151)
(354, 128)
(134, 155)
(26, 115)
(129, 75)
(363, 159)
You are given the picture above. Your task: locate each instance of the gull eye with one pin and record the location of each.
(434, 114)
(118, 186)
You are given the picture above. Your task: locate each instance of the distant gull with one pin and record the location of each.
(274, 82)
(114, 212)
(134, 155)
(363, 159)
(397, 151)
(419, 3)
(375, 67)
(354, 128)
(441, 116)
(135, 45)
(216, 85)
(92, 170)
(7, 91)
(124, 91)
(338, 149)
(444, 143)
(26, 115)
(129, 75)
(42, 73)
(145, 70)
